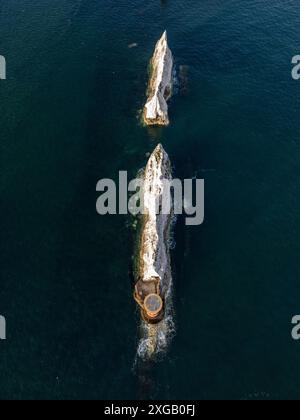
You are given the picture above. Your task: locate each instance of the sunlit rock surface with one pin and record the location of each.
(155, 254)
(154, 266)
(160, 84)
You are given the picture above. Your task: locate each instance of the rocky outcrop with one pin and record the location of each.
(154, 267)
(155, 256)
(160, 84)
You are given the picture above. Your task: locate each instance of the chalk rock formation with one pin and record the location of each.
(160, 84)
(155, 255)
(154, 275)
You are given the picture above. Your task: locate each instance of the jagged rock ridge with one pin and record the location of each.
(154, 265)
(160, 84)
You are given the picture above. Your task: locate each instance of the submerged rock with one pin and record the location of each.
(133, 45)
(160, 84)
(184, 80)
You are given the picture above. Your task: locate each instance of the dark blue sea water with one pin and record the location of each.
(69, 117)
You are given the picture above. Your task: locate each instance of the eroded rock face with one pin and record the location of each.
(160, 84)
(155, 255)
(154, 273)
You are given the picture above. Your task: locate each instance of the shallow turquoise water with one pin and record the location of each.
(69, 117)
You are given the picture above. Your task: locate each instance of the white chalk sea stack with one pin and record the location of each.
(154, 255)
(160, 84)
